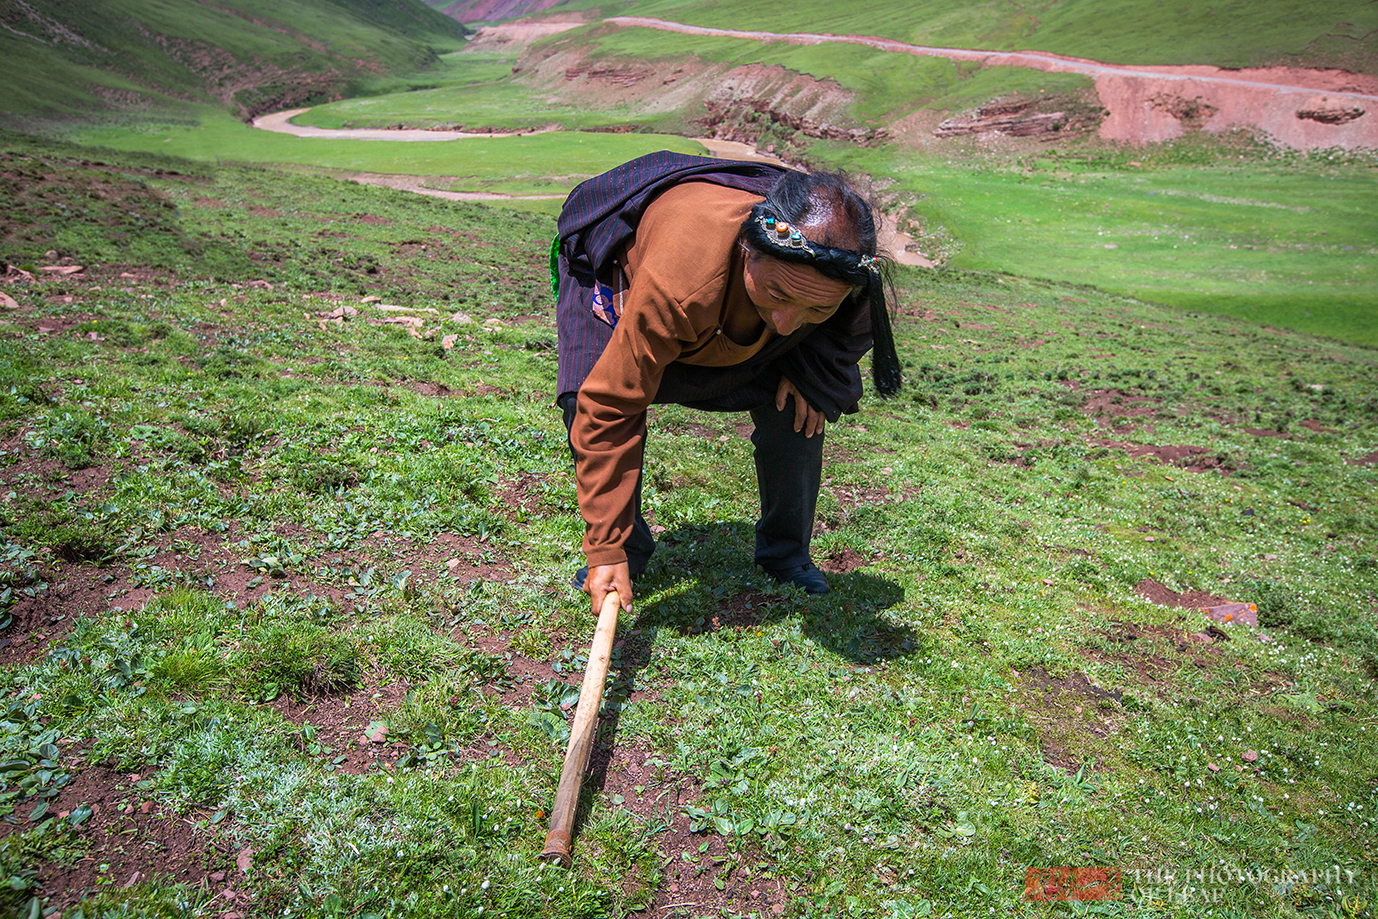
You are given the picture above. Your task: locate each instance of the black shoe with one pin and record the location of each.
(805, 576)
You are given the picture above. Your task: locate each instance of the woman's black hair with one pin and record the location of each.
(830, 201)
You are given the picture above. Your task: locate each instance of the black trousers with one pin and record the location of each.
(789, 471)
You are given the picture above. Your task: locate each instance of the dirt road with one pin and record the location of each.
(1299, 107)
(281, 123)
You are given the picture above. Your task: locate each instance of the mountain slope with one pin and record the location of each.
(62, 59)
(1231, 33)
(495, 10)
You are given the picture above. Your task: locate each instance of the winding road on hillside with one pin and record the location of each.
(1302, 108)
(281, 123)
(1299, 107)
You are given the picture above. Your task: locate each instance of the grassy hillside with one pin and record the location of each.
(64, 60)
(1219, 225)
(1207, 225)
(285, 545)
(520, 165)
(1235, 33)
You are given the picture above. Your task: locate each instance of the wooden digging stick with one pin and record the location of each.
(560, 838)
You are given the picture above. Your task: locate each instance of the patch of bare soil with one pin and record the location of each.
(689, 877)
(1154, 592)
(340, 721)
(1135, 648)
(842, 560)
(462, 558)
(526, 493)
(507, 36)
(1368, 460)
(1073, 716)
(40, 622)
(1048, 118)
(850, 497)
(1315, 427)
(1114, 409)
(1183, 456)
(133, 839)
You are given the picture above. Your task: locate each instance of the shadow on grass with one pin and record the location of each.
(847, 622)
(719, 588)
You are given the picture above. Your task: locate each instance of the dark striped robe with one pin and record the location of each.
(598, 219)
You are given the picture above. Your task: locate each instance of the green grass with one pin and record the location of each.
(1277, 239)
(477, 164)
(887, 85)
(278, 497)
(1211, 225)
(469, 89)
(60, 60)
(1236, 34)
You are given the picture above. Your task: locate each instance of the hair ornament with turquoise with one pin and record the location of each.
(782, 234)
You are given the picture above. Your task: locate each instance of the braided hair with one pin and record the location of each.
(829, 199)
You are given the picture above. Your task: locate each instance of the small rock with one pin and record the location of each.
(1212, 767)
(245, 859)
(1250, 756)
(218, 876)
(146, 807)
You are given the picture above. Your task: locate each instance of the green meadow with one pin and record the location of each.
(1219, 225)
(288, 524)
(1246, 231)
(526, 164)
(1239, 33)
(474, 89)
(287, 518)
(59, 60)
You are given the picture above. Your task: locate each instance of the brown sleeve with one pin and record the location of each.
(678, 282)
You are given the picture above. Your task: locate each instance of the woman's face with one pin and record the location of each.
(788, 295)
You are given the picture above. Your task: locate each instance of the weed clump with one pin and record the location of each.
(72, 436)
(298, 659)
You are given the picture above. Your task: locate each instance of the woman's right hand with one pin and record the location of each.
(603, 579)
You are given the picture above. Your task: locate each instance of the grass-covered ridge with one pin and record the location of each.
(1226, 225)
(288, 524)
(1240, 33)
(62, 61)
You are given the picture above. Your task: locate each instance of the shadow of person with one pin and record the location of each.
(718, 587)
(847, 622)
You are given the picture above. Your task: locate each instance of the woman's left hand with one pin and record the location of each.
(806, 418)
